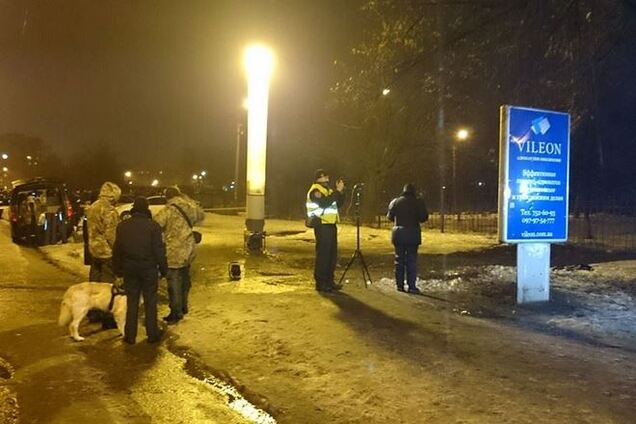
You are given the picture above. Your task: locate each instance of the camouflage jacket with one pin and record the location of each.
(177, 233)
(102, 220)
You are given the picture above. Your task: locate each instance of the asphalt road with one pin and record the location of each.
(46, 377)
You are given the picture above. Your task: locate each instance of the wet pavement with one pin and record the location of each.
(361, 356)
(46, 377)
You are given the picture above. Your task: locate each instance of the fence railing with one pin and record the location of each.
(607, 228)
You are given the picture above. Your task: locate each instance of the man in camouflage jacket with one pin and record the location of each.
(177, 233)
(102, 220)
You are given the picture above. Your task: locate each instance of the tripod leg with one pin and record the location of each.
(347, 268)
(365, 270)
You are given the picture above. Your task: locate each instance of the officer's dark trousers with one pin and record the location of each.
(326, 255)
(136, 284)
(406, 263)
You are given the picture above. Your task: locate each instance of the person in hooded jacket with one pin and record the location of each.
(139, 256)
(176, 220)
(102, 219)
(407, 212)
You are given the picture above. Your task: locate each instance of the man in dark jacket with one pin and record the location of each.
(139, 255)
(407, 212)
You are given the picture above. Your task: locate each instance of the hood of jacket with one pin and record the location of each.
(110, 191)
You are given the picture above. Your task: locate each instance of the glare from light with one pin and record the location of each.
(155, 183)
(524, 189)
(195, 177)
(259, 64)
(128, 174)
(462, 134)
(386, 91)
(246, 104)
(5, 169)
(204, 173)
(29, 157)
(5, 156)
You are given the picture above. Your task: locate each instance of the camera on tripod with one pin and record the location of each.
(356, 193)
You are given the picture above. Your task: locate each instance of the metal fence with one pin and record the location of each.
(605, 228)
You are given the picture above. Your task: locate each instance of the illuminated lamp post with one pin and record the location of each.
(259, 63)
(461, 136)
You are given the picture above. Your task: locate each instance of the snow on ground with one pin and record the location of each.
(598, 303)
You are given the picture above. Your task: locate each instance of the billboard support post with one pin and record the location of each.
(534, 166)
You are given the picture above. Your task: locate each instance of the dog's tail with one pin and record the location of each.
(65, 315)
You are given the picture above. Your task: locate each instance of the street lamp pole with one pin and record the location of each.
(454, 177)
(239, 132)
(461, 135)
(259, 63)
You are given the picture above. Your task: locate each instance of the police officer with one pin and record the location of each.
(139, 255)
(322, 205)
(407, 212)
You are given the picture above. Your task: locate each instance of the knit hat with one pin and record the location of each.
(140, 205)
(319, 173)
(408, 189)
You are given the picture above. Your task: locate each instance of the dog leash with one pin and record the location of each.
(115, 291)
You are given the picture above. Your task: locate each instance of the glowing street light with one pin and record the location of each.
(204, 173)
(5, 169)
(259, 64)
(195, 177)
(462, 134)
(386, 91)
(5, 156)
(128, 174)
(154, 183)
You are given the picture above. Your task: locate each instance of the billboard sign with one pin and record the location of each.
(534, 164)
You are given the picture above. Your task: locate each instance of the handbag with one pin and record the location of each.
(197, 235)
(314, 220)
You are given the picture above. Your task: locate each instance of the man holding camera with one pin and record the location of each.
(322, 210)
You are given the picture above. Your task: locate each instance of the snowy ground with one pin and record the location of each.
(461, 352)
(597, 303)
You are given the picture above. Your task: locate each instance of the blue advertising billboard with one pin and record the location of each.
(534, 165)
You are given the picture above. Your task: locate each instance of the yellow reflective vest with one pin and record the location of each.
(328, 215)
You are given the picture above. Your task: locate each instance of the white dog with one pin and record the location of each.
(81, 298)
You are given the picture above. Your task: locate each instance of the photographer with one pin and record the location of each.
(407, 212)
(322, 207)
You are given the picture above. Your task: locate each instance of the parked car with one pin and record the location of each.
(155, 203)
(40, 212)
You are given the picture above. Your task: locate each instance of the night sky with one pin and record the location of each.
(154, 79)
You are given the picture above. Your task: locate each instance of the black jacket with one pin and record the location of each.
(407, 211)
(139, 247)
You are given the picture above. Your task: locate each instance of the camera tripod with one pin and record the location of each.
(357, 254)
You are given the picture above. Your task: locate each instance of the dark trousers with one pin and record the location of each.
(406, 263)
(178, 289)
(326, 255)
(102, 271)
(141, 283)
